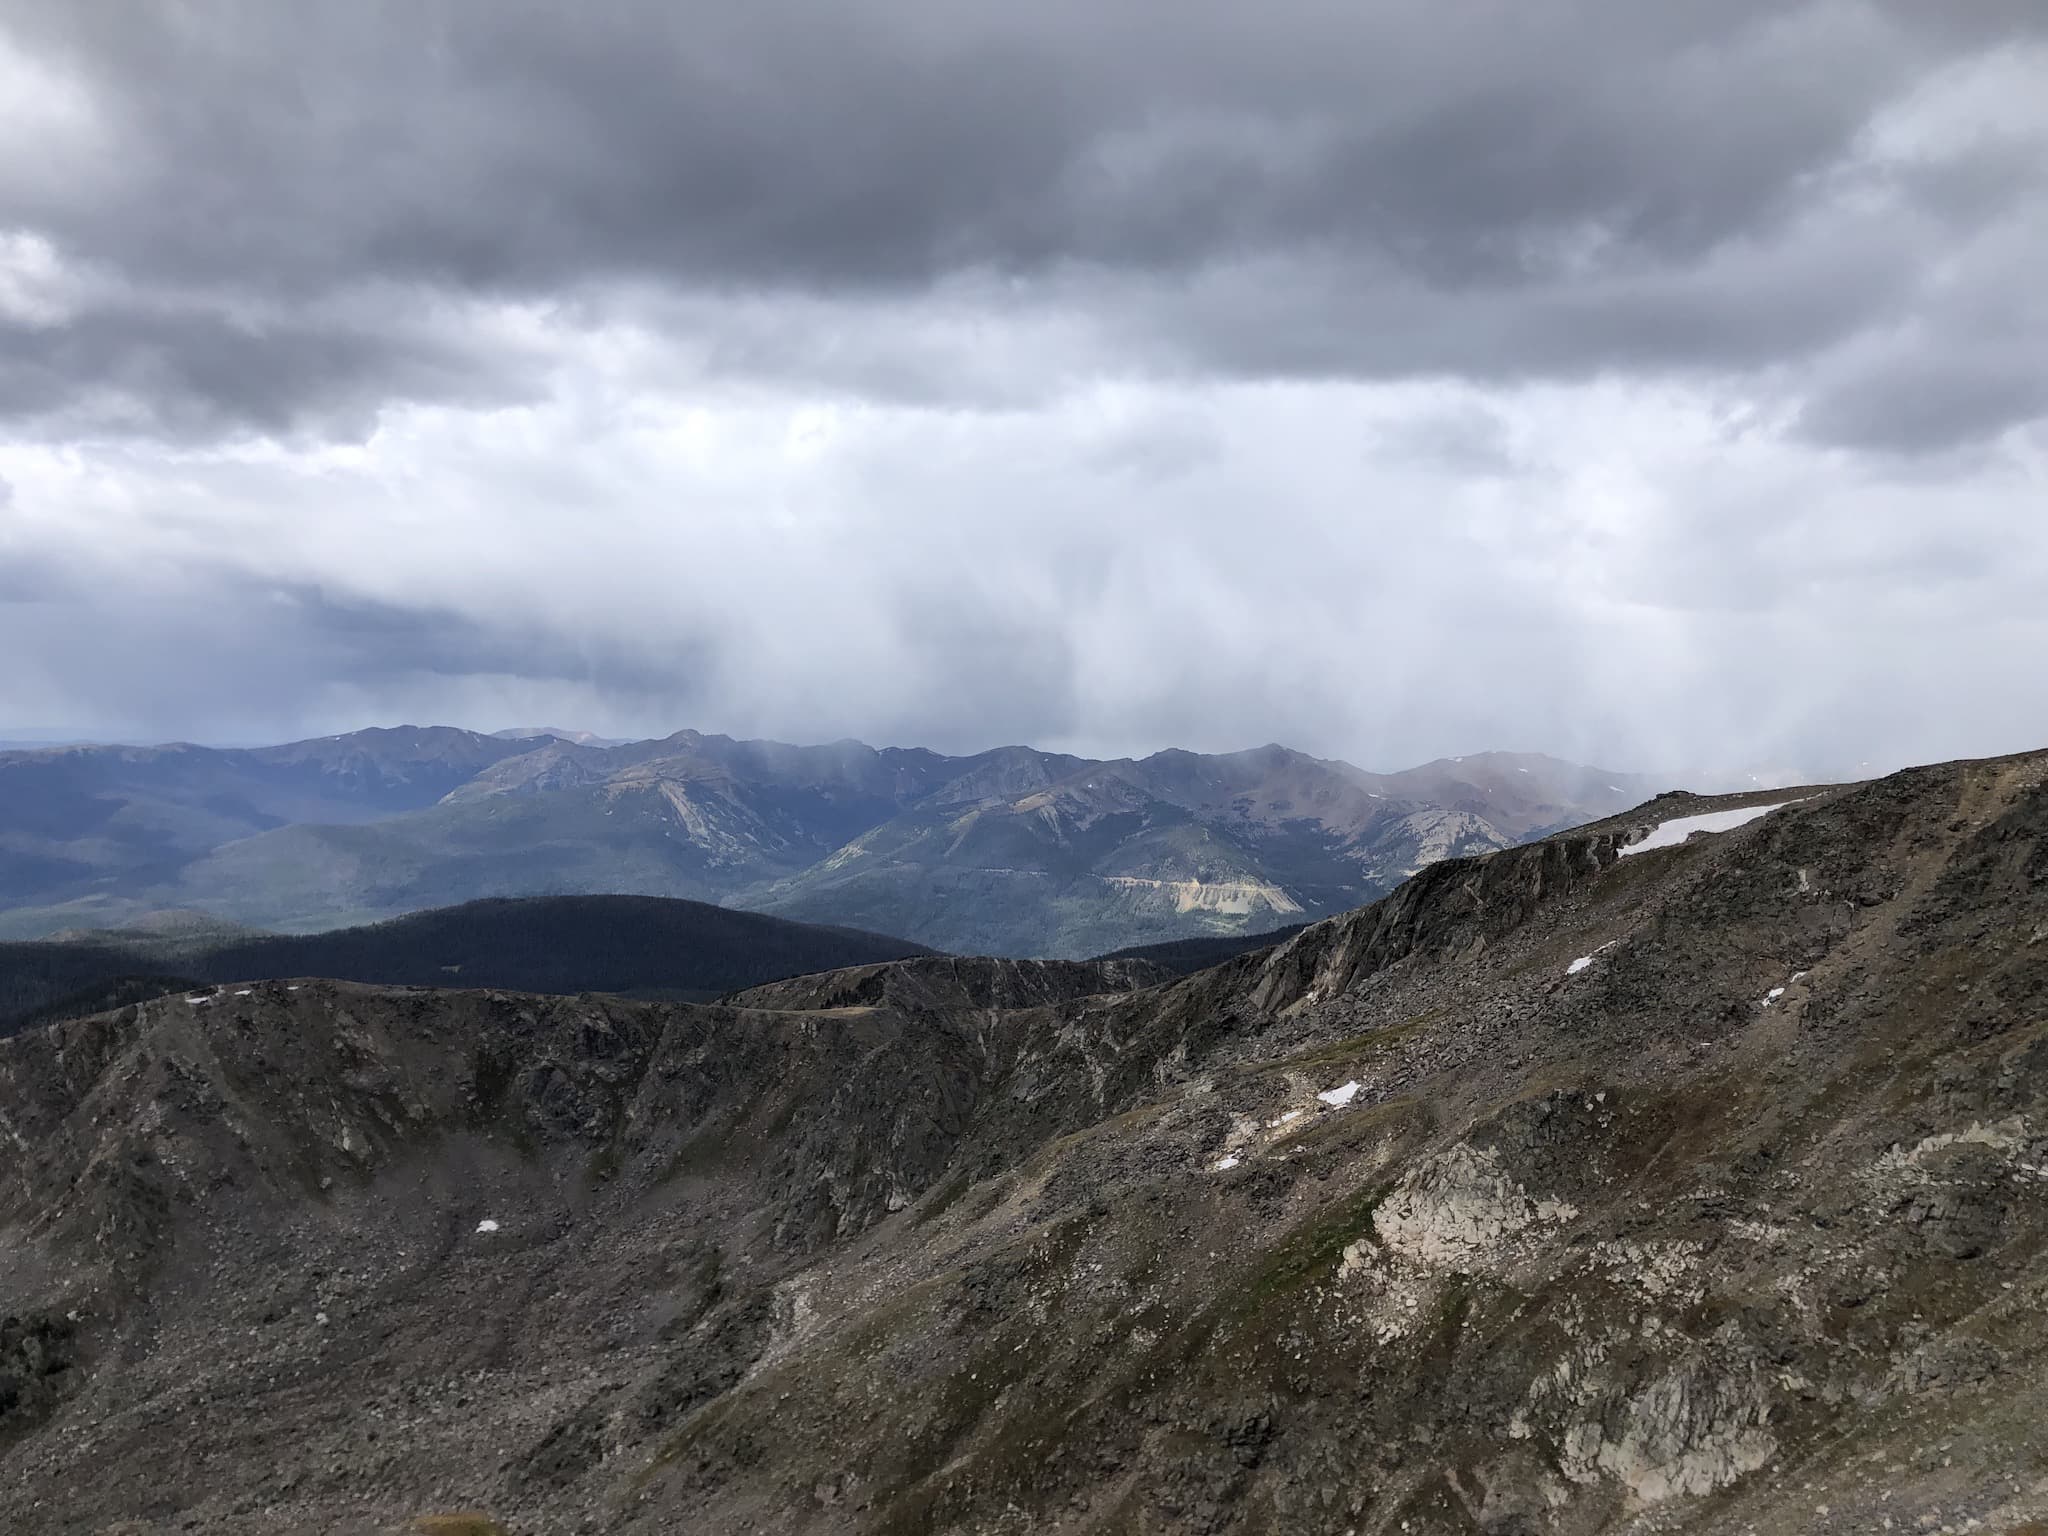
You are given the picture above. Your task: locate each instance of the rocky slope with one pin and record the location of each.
(1701, 1188)
(1013, 851)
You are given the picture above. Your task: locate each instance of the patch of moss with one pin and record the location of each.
(1043, 1160)
(935, 1204)
(1406, 1117)
(1447, 1316)
(688, 1433)
(1341, 1053)
(1308, 1255)
(1622, 881)
(1008, 1439)
(868, 1336)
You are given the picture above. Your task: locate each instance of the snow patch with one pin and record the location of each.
(1225, 1164)
(1578, 965)
(487, 1225)
(1339, 1097)
(1775, 993)
(1669, 834)
(1292, 1114)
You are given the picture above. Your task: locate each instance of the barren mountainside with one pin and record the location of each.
(1611, 1183)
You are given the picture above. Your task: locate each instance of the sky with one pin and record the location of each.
(1662, 386)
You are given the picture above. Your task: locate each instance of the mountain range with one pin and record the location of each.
(1684, 1173)
(1013, 851)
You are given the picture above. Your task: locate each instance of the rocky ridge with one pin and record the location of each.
(1559, 1191)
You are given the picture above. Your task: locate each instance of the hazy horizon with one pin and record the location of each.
(1723, 777)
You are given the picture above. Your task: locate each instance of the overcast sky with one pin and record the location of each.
(1661, 385)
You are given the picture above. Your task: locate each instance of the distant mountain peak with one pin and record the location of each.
(541, 732)
(1014, 850)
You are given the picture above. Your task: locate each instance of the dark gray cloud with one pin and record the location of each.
(1304, 188)
(356, 640)
(1655, 384)
(185, 374)
(1924, 403)
(1966, 362)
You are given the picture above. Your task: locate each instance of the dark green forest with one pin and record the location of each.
(1186, 956)
(644, 946)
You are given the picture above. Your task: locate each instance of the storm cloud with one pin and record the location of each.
(1662, 384)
